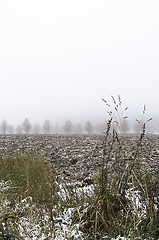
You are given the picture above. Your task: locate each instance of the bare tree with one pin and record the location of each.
(56, 129)
(89, 127)
(26, 126)
(4, 126)
(19, 129)
(11, 129)
(47, 127)
(138, 126)
(114, 126)
(68, 127)
(125, 126)
(36, 129)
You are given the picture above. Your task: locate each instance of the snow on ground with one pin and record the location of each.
(34, 223)
(28, 221)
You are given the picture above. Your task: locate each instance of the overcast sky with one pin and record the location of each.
(58, 58)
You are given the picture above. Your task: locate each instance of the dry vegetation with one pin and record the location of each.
(119, 198)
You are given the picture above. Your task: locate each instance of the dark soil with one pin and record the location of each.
(78, 156)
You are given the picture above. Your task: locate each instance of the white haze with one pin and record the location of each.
(59, 58)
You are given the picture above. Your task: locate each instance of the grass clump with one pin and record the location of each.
(29, 175)
(28, 193)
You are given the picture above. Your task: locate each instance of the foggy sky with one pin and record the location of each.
(59, 58)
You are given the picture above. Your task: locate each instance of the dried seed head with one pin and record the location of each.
(113, 100)
(144, 109)
(119, 99)
(104, 100)
(109, 112)
(144, 128)
(138, 121)
(149, 119)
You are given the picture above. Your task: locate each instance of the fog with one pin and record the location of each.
(58, 59)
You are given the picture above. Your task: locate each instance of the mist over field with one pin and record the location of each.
(59, 59)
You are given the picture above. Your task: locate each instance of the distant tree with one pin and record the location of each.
(4, 126)
(125, 126)
(19, 129)
(11, 129)
(151, 127)
(138, 126)
(47, 127)
(97, 130)
(114, 126)
(36, 129)
(88, 127)
(68, 127)
(26, 126)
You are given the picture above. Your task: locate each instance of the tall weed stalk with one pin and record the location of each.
(126, 199)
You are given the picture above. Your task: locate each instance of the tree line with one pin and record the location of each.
(48, 128)
(68, 127)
